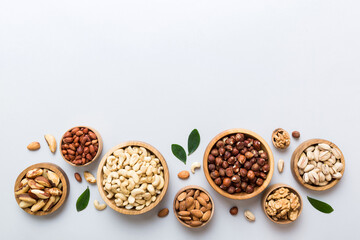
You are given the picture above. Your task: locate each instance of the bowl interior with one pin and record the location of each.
(111, 202)
(99, 148)
(264, 146)
(296, 155)
(271, 189)
(63, 177)
(195, 188)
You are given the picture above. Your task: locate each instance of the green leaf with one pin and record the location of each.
(321, 206)
(193, 141)
(179, 152)
(83, 200)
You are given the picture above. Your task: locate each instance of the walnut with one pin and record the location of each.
(280, 138)
(282, 204)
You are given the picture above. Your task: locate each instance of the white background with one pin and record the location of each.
(153, 71)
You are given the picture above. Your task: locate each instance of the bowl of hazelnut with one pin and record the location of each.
(238, 164)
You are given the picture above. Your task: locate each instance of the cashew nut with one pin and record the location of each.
(195, 165)
(99, 206)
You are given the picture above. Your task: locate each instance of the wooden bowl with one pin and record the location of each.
(272, 188)
(111, 202)
(264, 146)
(196, 188)
(63, 178)
(97, 154)
(296, 155)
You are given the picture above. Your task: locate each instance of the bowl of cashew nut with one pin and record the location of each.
(133, 177)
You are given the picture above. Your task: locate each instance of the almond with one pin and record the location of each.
(181, 196)
(204, 196)
(206, 216)
(163, 212)
(33, 146)
(196, 213)
(188, 202)
(195, 223)
(184, 213)
(202, 201)
(183, 174)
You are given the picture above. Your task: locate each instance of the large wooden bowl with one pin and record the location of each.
(272, 188)
(111, 202)
(296, 155)
(99, 148)
(264, 146)
(196, 188)
(63, 178)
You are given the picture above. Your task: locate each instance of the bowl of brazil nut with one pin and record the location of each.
(41, 189)
(133, 177)
(238, 164)
(281, 203)
(81, 145)
(193, 206)
(317, 164)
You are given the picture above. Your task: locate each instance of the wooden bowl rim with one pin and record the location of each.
(274, 187)
(111, 202)
(63, 177)
(242, 195)
(296, 154)
(99, 149)
(196, 188)
(273, 142)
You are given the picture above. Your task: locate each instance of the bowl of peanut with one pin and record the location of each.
(133, 177)
(281, 203)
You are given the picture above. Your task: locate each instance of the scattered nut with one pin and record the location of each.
(78, 177)
(194, 166)
(50, 139)
(234, 211)
(281, 138)
(163, 212)
(183, 174)
(99, 206)
(249, 216)
(89, 177)
(194, 207)
(281, 165)
(295, 134)
(33, 146)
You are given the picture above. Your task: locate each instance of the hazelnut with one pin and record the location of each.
(227, 182)
(253, 160)
(261, 161)
(235, 152)
(240, 145)
(229, 172)
(249, 189)
(259, 181)
(230, 141)
(231, 190)
(257, 145)
(249, 155)
(235, 179)
(218, 181)
(247, 165)
(243, 172)
(212, 167)
(240, 137)
(223, 187)
(218, 161)
(227, 155)
(222, 172)
(250, 175)
(214, 174)
(295, 134)
(241, 159)
(255, 167)
(229, 148)
(264, 155)
(235, 169)
(211, 159)
(263, 175)
(244, 186)
(244, 150)
(225, 164)
(237, 189)
(256, 153)
(215, 152)
(221, 151)
(266, 168)
(231, 160)
(234, 211)
(220, 144)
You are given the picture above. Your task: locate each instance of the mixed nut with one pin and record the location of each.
(281, 138)
(40, 189)
(238, 164)
(319, 164)
(133, 177)
(282, 204)
(193, 207)
(79, 145)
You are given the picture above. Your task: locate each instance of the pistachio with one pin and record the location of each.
(249, 216)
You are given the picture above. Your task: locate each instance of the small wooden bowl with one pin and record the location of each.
(264, 146)
(196, 188)
(111, 202)
(63, 178)
(97, 154)
(272, 188)
(273, 140)
(296, 155)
